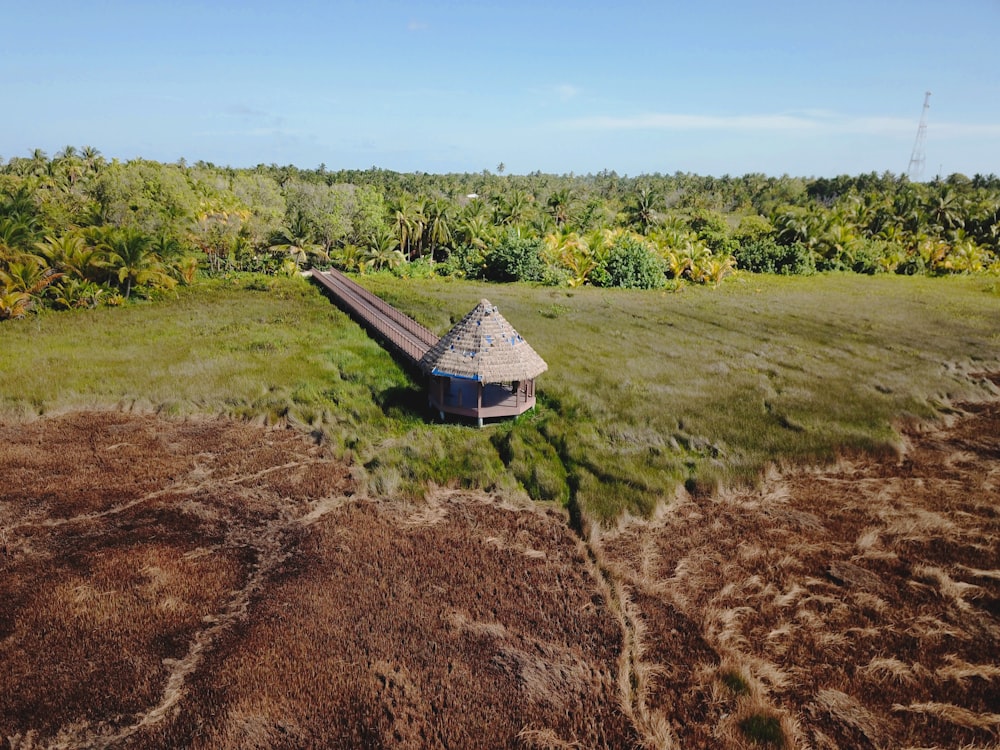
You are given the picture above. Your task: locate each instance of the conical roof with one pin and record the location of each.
(484, 346)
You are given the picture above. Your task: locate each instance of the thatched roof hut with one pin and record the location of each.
(484, 346)
(485, 349)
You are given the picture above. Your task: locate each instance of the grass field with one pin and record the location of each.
(173, 577)
(646, 391)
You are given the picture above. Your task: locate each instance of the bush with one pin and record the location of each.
(515, 259)
(712, 229)
(871, 257)
(632, 264)
(421, 268)
(463, 262)
(911, 264)
(766, 256)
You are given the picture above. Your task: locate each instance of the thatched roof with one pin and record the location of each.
(484, 346)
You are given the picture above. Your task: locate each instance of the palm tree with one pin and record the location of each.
(27, 276)
(409, 220)
(13, 305)
(510, 210)
(92, 158)
(296, 241)
(128, 255)
(39, 162)
(965, 255)
(70, 254)
(558, 206)
(418, 220)
(571, 251)
(641, 209)
(350, 257)
(946, 210)
(475, 207)
(67, 166)
(401, 211)
(72, 293)
(167, 246)
(15, 235)
(475, 231)
(438, 225)
(383, 251)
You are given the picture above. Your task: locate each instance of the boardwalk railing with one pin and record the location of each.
(405, 335)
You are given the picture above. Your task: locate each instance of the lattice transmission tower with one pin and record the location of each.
(917, 158)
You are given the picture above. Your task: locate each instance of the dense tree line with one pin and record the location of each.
(79, 230)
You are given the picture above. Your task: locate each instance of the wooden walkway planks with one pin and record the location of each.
(400, 332)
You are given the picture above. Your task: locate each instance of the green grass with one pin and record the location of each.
(735, 682)
(763, 730)
(645, 391)
(221, 347)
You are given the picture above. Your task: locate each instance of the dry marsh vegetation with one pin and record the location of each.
(220, 585)
(387, 629)
(129, 545)
(856, 606)
(214, 584)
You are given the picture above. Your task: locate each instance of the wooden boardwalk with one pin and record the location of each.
(401, 333)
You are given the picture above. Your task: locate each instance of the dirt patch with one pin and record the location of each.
(216, 585)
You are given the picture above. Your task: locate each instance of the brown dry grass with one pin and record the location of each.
(859, 606)
(213, 585)
(131, 544)
(230, 592)
(412, 627)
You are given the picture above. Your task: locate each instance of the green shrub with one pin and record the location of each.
(630, 264)
(421, 268)
(463, 262)
(764, 255)
(871, 257)
(713, 229)
(735, 682)
(515, 259)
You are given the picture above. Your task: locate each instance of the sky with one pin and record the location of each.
(711, 87)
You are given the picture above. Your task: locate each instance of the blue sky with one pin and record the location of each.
(711, 87)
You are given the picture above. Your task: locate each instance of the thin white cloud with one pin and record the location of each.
(566, 91)
(963, 130)
(415, 25)
(244, 110)
(251, 132)
(807, 122)
(665, 121)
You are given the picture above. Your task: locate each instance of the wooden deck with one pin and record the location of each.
(469, 398)
(401, 333)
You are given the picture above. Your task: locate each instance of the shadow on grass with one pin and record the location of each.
(404, 402)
